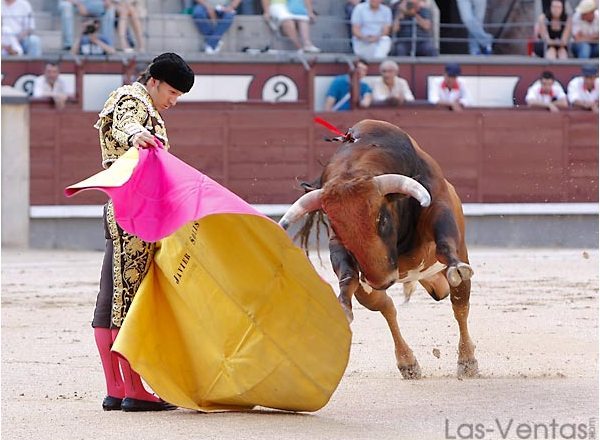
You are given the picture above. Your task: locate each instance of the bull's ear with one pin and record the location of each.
(309, 186)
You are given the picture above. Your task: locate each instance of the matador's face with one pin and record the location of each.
(163, 95)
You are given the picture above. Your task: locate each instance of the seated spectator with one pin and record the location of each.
(554, 30)
(17, 29)
(90, 42)
(348, 8)
(585, 30)
(547, 93)
(412, 29)
(450, 91)
(389, 89)
(582, 91)
(99, 9)
(371, 25)
(339, 93)
(129, 13)
(10, 42)
(293, 17)
(213, 18)
(472, 14)
(51, 85)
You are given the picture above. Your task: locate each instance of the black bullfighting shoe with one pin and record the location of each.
(131, 404)
(111, 403)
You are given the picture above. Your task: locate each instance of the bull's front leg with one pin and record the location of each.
(379, 300)
(344, 267)
(446, 241)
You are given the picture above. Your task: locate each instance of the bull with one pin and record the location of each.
(393, 218)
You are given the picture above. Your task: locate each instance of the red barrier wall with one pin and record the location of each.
(512, 155)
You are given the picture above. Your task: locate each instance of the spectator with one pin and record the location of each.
(389, 89)
(450, 91)
(585, 30)
(90, 42)
(413, 29)
(10, 42)
(18, 25)
(99, 9)
(51, 85)
(472, 14)
(128, 13)
(339, 93)
(288, 15)
(554, 30)
(213, 18)
(348, 8)
(371, 25)
(546, 92)
(582, 91)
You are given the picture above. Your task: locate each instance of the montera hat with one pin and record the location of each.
(170, 68)
(586, 6)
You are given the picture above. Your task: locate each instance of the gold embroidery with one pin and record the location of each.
(131, 261)
(127, 111)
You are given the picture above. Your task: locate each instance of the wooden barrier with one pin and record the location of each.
(491, 156)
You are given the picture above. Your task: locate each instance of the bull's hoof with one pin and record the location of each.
(459, 273)
(410, 371)
(347, 311)
(468, 368)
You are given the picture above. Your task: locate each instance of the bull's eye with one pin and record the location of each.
(384, 228)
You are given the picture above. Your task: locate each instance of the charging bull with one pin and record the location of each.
(393, 218)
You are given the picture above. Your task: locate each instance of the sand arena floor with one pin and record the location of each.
(534, 318)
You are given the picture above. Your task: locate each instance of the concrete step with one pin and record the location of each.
(329, 7)
(164, 6)
(51, 40)
(331, 34)
(46, 21)
(45, 5)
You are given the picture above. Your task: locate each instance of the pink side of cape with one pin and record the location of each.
(164, 193)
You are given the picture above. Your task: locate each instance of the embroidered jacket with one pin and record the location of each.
(127, 111)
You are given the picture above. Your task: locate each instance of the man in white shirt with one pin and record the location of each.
(547, 93)
(585, 30)
(389, 89)
(18, 24)
(371, 24)
(450, 91)
(51, 85)
(582, 91)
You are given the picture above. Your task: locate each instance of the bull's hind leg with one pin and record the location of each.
(467, 364)
(378, 300)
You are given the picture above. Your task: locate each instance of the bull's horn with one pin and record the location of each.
(309, 202)
(397, 183)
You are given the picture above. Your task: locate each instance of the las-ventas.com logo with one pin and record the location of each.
(529, 430)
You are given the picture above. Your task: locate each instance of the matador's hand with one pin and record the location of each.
(143, 139)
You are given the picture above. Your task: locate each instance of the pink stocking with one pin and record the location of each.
(134, 387)
(110, 363)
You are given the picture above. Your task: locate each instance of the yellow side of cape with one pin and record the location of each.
(233, 315)
(115, 176)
